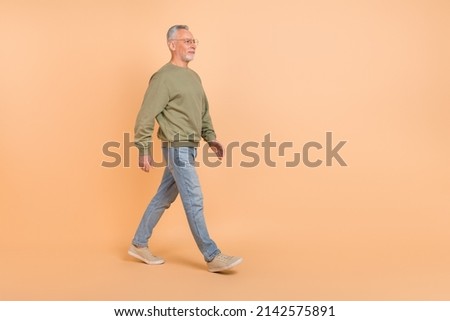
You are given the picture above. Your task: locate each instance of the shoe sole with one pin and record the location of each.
(226, 267)
(137, 256)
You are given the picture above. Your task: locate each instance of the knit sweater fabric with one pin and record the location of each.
(176, 99)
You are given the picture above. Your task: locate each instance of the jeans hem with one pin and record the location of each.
(212, 256)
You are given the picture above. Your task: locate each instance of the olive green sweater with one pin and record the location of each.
(176, 99)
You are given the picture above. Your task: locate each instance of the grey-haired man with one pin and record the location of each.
(176, 99)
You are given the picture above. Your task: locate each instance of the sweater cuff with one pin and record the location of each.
(210, 137)
(145, 149)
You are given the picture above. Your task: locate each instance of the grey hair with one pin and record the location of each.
(173, 30)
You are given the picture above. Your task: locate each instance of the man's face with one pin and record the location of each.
(183, 45)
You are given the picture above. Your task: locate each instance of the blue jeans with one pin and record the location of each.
(181, 177)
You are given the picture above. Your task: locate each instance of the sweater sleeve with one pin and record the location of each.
(208, 133)
(155, 100)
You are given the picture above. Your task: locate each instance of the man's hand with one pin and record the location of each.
(145, 162)
(217, 148)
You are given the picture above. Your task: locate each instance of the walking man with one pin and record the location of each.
(176, 99)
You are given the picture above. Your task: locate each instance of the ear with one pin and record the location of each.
(171, 45)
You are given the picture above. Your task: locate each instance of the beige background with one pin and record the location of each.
(375, 73)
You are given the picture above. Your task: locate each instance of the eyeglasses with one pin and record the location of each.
(188, 41)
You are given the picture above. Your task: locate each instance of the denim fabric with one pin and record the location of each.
(180, 176)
